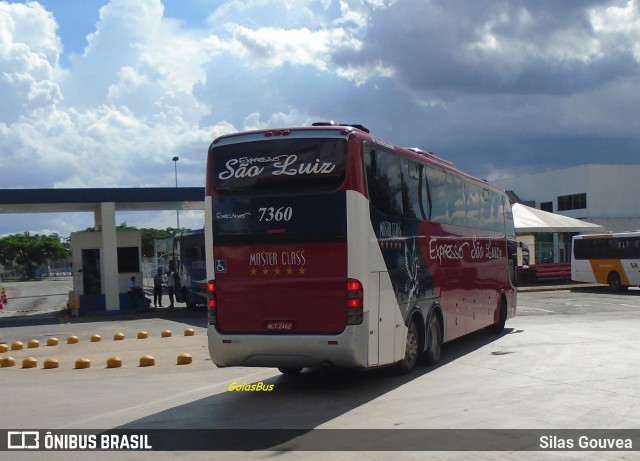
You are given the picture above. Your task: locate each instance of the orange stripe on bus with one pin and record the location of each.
(603, 267)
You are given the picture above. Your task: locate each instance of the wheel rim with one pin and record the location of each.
(434, 337)
(614, 281)
(411, 353)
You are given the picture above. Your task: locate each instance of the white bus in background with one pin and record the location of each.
(612, 259)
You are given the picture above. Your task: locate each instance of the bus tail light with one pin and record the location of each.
(211, 302)
(355, 302)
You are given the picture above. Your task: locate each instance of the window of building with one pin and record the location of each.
(572, 202)
(128, 260)
(547, 206)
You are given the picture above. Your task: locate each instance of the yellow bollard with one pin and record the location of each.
(114, 362)
(51, 363)
(184, 359)
(7, 362)
(29, 362)
(147, 361)
(83, 363)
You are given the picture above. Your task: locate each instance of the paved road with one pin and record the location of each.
(36, 297)
(568, 360)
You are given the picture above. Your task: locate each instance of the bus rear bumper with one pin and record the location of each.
(287, 350)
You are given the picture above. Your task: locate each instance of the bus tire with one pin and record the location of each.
(186, 299)
(433, 348)
(412, 349)
(290, 370)
(615, 282)
(498, 327)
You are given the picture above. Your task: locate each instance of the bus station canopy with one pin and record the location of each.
(529, 220)
(89, 199)
(103, 203)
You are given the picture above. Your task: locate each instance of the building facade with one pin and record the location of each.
(601, 194)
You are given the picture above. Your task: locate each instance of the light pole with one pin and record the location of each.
(175, 170)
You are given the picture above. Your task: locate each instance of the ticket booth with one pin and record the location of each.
(99, 282)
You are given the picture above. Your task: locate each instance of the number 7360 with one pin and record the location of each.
(268, 214)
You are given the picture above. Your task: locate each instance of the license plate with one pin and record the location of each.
(279, 326)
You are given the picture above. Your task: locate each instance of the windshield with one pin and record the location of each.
(279, 165)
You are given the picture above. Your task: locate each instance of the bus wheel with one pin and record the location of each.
(498, 327)
(290, 370)
(431, 355)
(615, 283)
(412, 349)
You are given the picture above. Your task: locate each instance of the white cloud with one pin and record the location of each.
(28, 60)
(271, 47)
(618, 27)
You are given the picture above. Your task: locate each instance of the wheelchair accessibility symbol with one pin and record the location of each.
(221, 266)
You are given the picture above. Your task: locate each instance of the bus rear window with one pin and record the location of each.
(279, 165)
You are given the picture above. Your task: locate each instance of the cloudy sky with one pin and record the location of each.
(103, 93)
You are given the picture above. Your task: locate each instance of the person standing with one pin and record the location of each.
(157, 289)
(171, 284)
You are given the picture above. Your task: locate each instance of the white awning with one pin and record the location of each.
(531, 220)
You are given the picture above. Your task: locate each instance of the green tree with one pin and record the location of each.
(149, 235)
(30, 251)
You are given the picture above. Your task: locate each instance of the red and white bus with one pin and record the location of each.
(328, 247)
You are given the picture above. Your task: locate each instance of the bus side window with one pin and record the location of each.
(473, 203)
(455, 200)
(414, 190)
(437, 187)
(384, 179)
(487, 220)
(508, 219)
